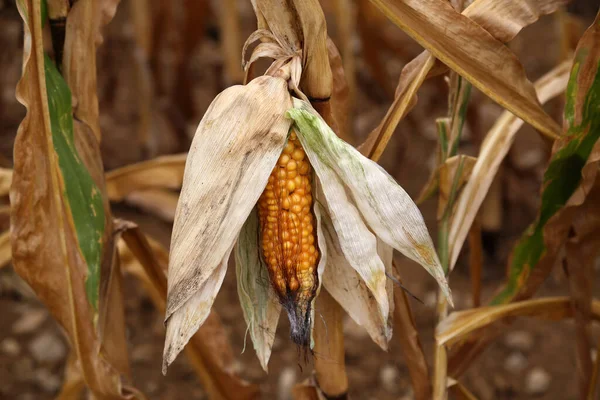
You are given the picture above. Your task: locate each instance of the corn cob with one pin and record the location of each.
(288, 242)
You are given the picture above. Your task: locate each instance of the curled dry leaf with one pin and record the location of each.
(79, 59)
(73, 383)
(217, 197)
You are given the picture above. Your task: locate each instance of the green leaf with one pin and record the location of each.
(564, 173)
(81, 193)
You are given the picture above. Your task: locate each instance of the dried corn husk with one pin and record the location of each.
(358, 192)
(234, 149)
(298, 26)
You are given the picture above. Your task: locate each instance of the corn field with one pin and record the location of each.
(300, 199)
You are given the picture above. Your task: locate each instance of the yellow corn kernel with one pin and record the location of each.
(288, 242)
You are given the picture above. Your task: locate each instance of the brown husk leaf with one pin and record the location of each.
(44, 243)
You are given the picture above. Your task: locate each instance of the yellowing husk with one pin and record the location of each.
(233, 152)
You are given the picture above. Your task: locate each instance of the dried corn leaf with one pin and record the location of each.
(460, 324)
(233, 152)
(471, 51)
(165, 172)
(493, 150)
(567, 181)
(60, 237)
(73, 383)
(503, 19)
(570, 175)
(209, 351)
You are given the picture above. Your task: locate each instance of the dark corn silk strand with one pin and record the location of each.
(288, 237)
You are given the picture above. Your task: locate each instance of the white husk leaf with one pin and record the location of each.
(233, 152)
(192, 314)
(259, 303)
(357, 243)
(387, 208)
(350, 291)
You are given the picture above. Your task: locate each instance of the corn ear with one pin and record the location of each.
(233, 152)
